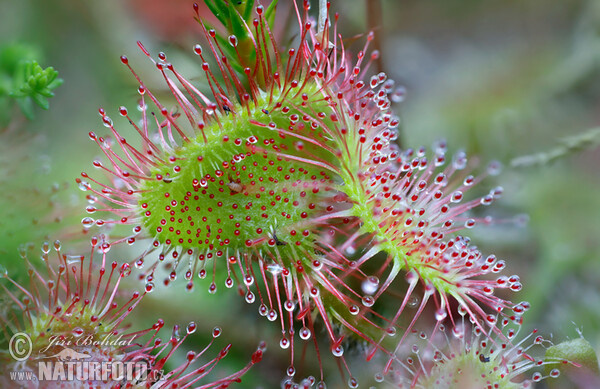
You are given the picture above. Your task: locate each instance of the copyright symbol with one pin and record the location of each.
(20, 346)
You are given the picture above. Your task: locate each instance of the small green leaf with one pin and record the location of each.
(41, 101)
(32, 83)
(578, 351)
(55, 83)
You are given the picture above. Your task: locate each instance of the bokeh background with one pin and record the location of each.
(514, 81)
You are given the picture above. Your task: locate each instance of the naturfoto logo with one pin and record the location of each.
(79, 362)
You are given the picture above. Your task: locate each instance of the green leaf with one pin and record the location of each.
(578, 351)
(218, 9)
(270, 13)
(248, 10)
(46, 93)
(41, 101)
(55, 83)
(237, 24)
(582, 364)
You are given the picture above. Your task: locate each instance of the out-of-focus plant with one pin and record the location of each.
(24, 81)
(30, 209)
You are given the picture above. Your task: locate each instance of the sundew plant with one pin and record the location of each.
(257, 179)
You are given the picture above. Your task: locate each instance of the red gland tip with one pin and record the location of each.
(257, 356)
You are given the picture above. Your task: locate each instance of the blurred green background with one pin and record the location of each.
(514, 81)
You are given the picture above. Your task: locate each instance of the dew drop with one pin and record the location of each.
(458, 332)
(272, 315)
(440, 314)
(307, 383)
(353, 382)
(73, 260)
(274, 268)
(84, 186)
(87, 222)
(374, 82)
(191, 328)
(149, 287)
(305, 333)
(494, 168)
(284, 343)
(216, 332)
(370, 285)
(250, 297)
(77, 332)
(289, 305)
(460, 160)
(105, 247)
(368, 301)
(291, 371)
(337, 351)
(314, 292)
(413, 302)
(263, 310)
(456, 197)
(399, 95)
(107, 121)
(125, 270)
(212, 289)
